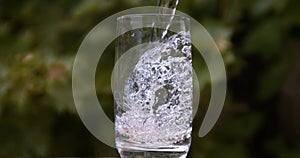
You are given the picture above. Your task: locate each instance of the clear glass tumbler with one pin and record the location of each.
(153, 86)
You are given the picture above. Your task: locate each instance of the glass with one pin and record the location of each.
(153, 86)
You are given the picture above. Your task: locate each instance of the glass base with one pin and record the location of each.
(150, 154)
(130, 150)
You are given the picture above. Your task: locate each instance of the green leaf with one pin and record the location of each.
(261, 7)
(265, 40)
(90, 6)
(273, 78)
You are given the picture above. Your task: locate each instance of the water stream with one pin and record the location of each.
(165, 6)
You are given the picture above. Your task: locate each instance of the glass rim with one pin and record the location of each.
(131, 16)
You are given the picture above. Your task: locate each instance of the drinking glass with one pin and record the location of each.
(153, 86)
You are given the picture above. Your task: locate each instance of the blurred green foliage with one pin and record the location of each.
(39, 40)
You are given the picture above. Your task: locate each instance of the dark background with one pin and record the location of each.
(259, 40)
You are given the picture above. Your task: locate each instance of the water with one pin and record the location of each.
(155, 116)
